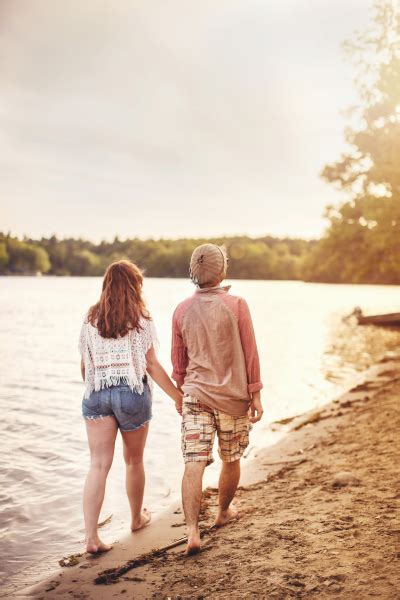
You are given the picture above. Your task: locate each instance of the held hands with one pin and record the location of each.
(256, 409)
(178, 400)
(160, 376)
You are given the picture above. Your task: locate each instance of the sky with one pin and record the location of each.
(169, 118)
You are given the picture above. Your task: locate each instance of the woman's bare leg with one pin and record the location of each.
(134, 443)
(101, 437)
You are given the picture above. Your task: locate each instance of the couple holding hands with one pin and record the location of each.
(217, 373)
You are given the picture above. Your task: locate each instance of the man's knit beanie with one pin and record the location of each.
(208, 264)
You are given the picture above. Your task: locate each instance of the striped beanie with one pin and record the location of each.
(208, 264)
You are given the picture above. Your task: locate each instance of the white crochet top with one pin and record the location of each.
(120, 361)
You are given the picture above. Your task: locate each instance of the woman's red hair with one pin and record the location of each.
(121, 303)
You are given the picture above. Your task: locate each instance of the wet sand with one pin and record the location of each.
(319, 518)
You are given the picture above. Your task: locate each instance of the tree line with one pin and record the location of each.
(262, 258)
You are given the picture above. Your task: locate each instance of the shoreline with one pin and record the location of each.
(184, 277)
(288, 454)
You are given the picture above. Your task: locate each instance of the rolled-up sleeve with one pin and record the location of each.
(249, 345)
(179, 355)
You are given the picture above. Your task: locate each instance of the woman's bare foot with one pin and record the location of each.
(193, 543)
(223, 517)
(96, 546)
(145, 518)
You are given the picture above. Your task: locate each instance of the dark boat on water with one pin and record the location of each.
(388, 320)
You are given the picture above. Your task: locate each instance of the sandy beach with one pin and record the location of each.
(318, 518)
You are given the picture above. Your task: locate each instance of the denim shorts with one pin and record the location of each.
(131, 409)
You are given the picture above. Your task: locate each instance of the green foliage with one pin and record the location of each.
(4, 257)
(25, 257)
(362, 243)
(263, 258)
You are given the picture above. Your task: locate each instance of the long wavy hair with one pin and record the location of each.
(121, 303)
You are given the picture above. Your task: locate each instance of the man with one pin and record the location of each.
(215, 362)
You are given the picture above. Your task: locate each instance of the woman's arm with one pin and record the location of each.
(160, 376)
(83, 369)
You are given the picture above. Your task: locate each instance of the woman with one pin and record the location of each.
(117, 349)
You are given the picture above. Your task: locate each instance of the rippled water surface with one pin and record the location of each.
(308, 356)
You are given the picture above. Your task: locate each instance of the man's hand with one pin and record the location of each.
(179, 401)
(256, 409)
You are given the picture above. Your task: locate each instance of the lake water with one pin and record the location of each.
(308, 356)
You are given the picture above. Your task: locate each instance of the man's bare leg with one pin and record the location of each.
(228, 482)
(192, 486)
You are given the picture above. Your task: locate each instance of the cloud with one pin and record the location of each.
(147, 115)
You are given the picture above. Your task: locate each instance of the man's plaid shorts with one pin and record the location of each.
(199, 425)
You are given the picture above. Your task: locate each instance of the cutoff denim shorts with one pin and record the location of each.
(130, 409)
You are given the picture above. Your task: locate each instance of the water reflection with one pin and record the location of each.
(353, 348)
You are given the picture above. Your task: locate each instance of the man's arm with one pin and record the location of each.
(249, 345)
(179, 355)
(256, 409)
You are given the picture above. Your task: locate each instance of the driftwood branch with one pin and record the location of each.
(285, 462)
(112, 575)
(105, 522)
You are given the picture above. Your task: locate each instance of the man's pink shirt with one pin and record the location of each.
(214, 351)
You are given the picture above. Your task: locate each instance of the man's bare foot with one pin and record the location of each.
(223, 517)
(193, 543)
(145, 518)
(96, 546)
